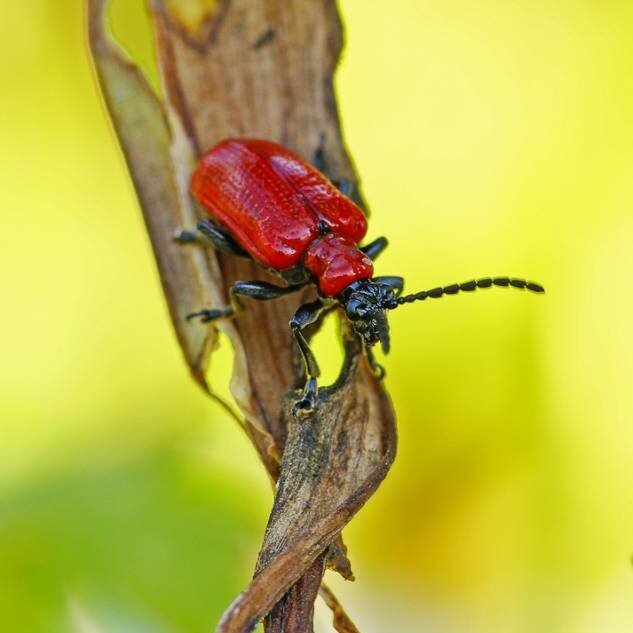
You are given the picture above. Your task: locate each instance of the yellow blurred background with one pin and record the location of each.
(492, 137)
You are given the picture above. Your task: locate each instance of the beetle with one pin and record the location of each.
(267, 203)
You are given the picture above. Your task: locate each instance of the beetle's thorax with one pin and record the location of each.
(337, 262)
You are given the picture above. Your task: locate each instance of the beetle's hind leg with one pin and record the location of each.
(307, 314)
(213, 235)
(220, 240)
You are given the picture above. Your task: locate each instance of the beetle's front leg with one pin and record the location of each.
(394, 283)
(307, 314)
(376, 369)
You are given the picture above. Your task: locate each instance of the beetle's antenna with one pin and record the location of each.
(468, 286)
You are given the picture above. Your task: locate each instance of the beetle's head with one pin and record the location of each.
(365, 304)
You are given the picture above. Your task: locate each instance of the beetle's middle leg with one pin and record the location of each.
(307, 314)
(260, 290)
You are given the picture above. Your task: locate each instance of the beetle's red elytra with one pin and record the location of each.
(267, 203)
(278, 208)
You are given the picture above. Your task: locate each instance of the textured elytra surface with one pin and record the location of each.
(271, 201)
(237, 68)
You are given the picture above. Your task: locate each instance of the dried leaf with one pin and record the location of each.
(147, 140)
(331, 465)
(340, 619)
(237, 68)
(295, 612)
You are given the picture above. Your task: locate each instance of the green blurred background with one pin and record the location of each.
(492, 137)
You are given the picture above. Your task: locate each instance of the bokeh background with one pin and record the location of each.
(492, 137)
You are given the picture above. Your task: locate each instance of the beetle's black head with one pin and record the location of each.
(365, 302)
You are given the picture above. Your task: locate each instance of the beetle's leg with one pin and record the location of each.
(318, 158)
(259, 290)
(217, 238)
(212, 314)
(186, 237)
(344, 185)
(220, 240)
(373, 249)
(395, 283)
(307, 314)
(377, 369)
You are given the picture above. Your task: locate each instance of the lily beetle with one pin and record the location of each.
(268, 204)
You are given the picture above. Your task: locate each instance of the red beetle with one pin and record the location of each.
(268, 204)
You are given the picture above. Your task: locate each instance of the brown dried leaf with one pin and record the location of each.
(295, 612)
(341, 621)
(237, 68)
(146, 140)
(331, 465)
